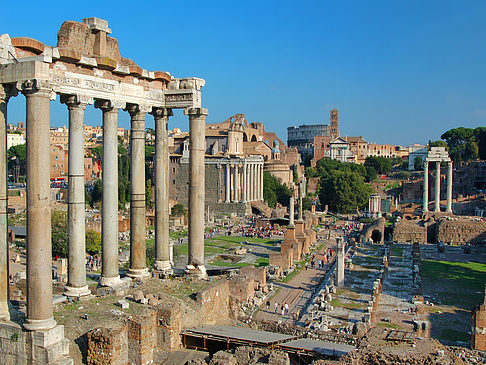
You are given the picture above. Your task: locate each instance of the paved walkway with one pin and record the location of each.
(297, 291)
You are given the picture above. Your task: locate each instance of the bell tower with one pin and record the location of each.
(334, 123)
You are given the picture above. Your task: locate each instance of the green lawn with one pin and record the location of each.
(457, 283)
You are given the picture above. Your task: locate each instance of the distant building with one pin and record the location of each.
(14, 139)
(302, 136)
(414, 151)
(59, 160)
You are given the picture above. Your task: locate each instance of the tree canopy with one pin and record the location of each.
(465, 144)
(274, 191)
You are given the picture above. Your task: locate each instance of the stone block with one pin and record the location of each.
(242, 289)
(168, 326)
(142, 337)
(108, 345)
(123, 304)
(258, 274)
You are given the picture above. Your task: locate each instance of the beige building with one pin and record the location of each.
(14, 139)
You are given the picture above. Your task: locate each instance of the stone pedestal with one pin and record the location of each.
(20, 347)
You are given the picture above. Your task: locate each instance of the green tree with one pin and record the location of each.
(274, 191)
(59, 233)
(382, 165)
(178, 210)
(97, 152)
(148, 193)
(462, 144)
(438, 143)
(418, 164)
(480, 134)
(93, 242)
(17, 156)
(371, 174)
(344, 192)
(96, 192)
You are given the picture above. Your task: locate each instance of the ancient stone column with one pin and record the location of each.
(425, 207)
(261, 181)
(76, 285)
(251, 182)
(162, 242)
(244, 183)
(109, 213)
(197, 140)
(291, 211)
(5, 93)
(138, 254)
(340, 261)
(449, 187)
(300, 202)
(228, 183)
(437, 187)
(39, 247)
(237, 183)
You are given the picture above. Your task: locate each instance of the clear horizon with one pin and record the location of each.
(398, 72)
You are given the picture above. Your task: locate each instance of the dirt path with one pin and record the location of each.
(297, 291)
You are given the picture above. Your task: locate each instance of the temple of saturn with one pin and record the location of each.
(86, 68)
(437, 155)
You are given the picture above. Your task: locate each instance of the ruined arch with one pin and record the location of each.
(253, 138)
(245, 137)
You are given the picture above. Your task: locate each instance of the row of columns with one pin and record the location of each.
(39, 248)
(437, 187)
(244, 182)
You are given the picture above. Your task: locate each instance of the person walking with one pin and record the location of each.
(276, 307)
(283, 309)
(268, 305)
(286, 309)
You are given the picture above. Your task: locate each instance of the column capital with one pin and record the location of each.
(76, 101)
(137, 109)
(162, 112)
(194, 112)
(7, 91)
(109, 105)
(36, 86)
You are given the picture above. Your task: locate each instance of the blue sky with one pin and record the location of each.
(399, 72)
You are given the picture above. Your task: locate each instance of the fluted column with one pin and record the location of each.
(138, 254)
(254, 182)
(228, 183)
(237, 183)
(437, 187)
(244, 184)
(5, 93)
(162, 242)
(76, 285)
(197, 121)
(261, 182)
(109, 213)
(425, 207)
(39, 247)
(449, 187)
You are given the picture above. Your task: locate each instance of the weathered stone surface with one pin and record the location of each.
(108, 345)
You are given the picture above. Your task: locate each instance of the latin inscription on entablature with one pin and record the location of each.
(182, 98)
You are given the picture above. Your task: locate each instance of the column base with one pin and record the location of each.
(198, 271)
(138, 273)
(113, 281)
(39, 324)
(71, 291)
(163, 267)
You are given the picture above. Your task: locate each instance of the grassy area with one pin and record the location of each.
(453, 335)
(239, 239)
(336, 303)
(229, 264)
(262, 261)
(388, 325)
(397, 251)
(457, 283)
(178, 234)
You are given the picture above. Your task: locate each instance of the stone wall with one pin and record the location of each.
(142, 336)
(241, 288)
(409, 231)
(478, 334)
(460, 231)
(258, 274)
(214, 302)
(228, 208)
(108, 345)
(169, 325)
(283, 260)
(377, 225)
(215, 189)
